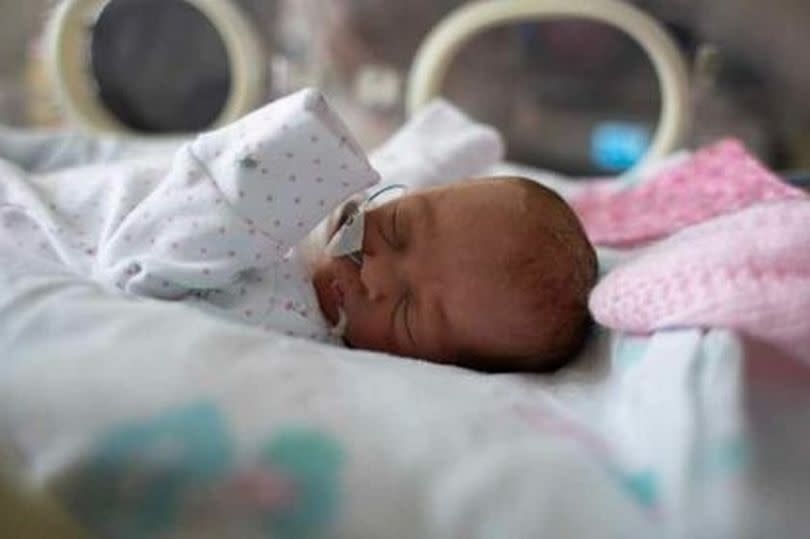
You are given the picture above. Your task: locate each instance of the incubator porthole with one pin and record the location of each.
(136, 42)
(155, 67)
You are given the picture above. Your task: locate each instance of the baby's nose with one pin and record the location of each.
(379, 276)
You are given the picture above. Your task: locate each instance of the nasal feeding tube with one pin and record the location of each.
(348, 240)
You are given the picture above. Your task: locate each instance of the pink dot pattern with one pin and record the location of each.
(218, 227)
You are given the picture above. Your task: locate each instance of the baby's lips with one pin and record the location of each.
(330, 298)
(337, 293)
(335, 299)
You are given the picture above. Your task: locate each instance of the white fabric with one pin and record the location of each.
(607, 448)
(152, 419)
(438, 145)
(215, 228)
(44, 151)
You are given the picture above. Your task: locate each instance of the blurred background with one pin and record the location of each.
(565, 93)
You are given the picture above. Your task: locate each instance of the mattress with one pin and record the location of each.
(152, 419)
(140, 418)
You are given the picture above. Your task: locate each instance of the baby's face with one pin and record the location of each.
(429, 285)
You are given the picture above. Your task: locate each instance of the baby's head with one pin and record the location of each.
(491, 274)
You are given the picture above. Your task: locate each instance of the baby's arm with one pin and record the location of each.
(236, 199)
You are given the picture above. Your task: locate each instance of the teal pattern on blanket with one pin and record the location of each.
(629, 350)
(313, 461)
(133, 482)
(642, 485)
(721, 458)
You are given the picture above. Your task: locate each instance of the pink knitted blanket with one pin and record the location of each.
(719, 179)
(747, 270)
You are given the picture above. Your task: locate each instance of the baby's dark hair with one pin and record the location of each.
(553, 270)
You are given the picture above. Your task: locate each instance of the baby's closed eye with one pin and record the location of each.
(401, 318)
(396, 225)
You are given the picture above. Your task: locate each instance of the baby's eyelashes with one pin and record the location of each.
(396, 243)
(406, 315)
(400, 319)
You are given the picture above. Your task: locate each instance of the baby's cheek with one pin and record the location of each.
(368, 331)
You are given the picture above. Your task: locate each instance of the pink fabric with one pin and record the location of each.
(719, 179)
(748, 271)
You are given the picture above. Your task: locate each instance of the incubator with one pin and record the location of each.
(211, 428)
(569, 93)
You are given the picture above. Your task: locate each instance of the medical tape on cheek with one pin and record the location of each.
(349, 238)
(339, 329)
(347, 241)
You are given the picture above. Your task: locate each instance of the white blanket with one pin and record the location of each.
(199, 428)
(150, 419)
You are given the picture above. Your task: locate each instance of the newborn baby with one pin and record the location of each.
(490, 274)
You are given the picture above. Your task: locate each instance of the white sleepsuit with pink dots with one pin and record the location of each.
(217, 227)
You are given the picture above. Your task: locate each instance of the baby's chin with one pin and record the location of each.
(321, 267)
(312, 252)
(322, 279)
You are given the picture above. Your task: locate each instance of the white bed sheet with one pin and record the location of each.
(149, 419)
(93, 386)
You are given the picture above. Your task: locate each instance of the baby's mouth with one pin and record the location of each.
(340, 321)
(327, 297)
(337, 294)
(331, 300)
(339, 329)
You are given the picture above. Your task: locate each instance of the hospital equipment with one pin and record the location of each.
(90, 65)
(167, 421)
(82, 53)
(348, 238)
(439, 48)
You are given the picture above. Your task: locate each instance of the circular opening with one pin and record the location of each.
(451, 34)
(577, 96)
(159, 66)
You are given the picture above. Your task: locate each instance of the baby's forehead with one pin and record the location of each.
(497, 216)
(497, 198)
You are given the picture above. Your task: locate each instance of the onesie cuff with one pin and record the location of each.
(285, 166)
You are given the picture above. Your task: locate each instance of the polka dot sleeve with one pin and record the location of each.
(287, 165)
(236, 199)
